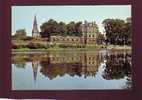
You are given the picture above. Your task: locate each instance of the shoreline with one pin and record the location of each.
(115, 48)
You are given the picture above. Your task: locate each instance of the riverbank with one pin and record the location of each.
(87, 48)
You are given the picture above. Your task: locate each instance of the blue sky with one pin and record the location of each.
(23, 16)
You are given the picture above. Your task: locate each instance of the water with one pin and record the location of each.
(72, 70)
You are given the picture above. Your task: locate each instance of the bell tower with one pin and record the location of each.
(35, 31)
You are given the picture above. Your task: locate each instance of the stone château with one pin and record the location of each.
(88, 30)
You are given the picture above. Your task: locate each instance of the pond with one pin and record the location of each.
(72, 70)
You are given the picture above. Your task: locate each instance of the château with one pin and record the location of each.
(88, 30)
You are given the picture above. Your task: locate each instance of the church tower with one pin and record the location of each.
(35, 31)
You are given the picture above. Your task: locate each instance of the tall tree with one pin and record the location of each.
(49, 28)
(117, 31)
(62, 29)
(78, 30)
(100, 38)
(71, 28)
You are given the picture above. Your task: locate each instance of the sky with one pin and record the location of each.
(23, 16)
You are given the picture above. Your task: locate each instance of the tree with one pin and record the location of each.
(128, 31)
(62, 29)
(71, 28)
(96, 27)
(53, 28)
(74, 29)
(49, 28)
(78, 30)
(20, 34)
(100, 38)
(117, 31)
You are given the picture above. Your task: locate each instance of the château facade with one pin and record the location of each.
(88, 30)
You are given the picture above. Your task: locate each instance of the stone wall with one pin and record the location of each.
(90, 39)
(65, 40)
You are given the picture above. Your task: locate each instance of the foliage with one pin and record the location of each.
(71, 46)
(118, 32)
(14, 46)
(27, 38)
(96, 28)
(35, 46)
(100, 38)
(117, 66)
(52, 27)
(21, 33)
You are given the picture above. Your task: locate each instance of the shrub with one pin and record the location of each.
(14, 46)
(36, 46)
(27, 38)
(70, 46)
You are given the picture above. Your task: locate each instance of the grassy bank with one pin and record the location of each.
(38, 45)
(74, 48)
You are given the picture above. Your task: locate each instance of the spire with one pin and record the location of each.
(35, 22)
(35, 32)
(35, 70)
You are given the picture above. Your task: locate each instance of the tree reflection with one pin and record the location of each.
(18, 61)
(117, 66)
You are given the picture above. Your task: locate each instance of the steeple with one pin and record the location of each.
(35, 69)
(35, 31)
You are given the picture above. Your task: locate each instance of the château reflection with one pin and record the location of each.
(81, 64)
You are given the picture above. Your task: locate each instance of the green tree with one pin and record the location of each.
(62, 29)
(96, 27)
(20, 33)
(49, 28)
(78, 30)
(128, 31)
(71, 28)
(117, 31)
(74, 29)
(100, 38)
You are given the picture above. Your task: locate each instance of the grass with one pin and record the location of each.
(45, 46)
(87, 48)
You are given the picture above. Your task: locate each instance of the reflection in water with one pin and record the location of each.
(104, 66)
(118, 66)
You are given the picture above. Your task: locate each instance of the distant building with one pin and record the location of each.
(35, 31)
